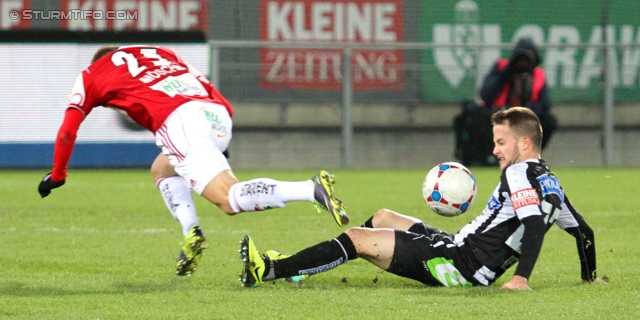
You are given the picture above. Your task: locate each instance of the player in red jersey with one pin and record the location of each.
(192, 124)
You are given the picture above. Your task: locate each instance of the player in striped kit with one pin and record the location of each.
(510, 230)
(192, 124)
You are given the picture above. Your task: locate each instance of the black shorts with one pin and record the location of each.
(428, 255)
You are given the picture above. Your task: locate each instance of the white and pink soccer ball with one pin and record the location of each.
(449, 189)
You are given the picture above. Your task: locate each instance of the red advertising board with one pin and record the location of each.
(12, 14)
(362, 21)
(144, 15)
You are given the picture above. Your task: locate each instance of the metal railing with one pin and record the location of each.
(347, 81)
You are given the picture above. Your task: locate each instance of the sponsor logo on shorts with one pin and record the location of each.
(525, 197)
(212, 117)
(216, 124)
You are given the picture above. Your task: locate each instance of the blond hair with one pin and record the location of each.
(523, 122)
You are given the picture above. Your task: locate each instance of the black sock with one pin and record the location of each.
(318, 258)
(368, 223)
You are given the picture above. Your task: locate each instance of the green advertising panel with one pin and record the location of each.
(568, 33)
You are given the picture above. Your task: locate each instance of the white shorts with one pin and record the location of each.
(194, 137)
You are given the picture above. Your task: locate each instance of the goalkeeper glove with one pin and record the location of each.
(47, 184)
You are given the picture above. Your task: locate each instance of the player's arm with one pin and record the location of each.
(62, 151)
(534, 230)
(65, 142)
(525, 199)
(79, 105)
(585, 242)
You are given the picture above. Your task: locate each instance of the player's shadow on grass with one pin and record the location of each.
(20, 289)
(385, 282)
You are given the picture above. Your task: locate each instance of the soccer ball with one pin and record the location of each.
(449, 189)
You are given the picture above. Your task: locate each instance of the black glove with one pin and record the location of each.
(47, 184)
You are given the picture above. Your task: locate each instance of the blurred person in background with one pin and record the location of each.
(519, 81)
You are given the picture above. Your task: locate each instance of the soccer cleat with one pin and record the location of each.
(254, 265)
(192, 247)
(325, 199)
(275, 255)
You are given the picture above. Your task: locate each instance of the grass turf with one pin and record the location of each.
(103, 247)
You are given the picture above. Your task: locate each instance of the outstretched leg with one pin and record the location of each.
(260, 194)
(396, 243)
(373, 245)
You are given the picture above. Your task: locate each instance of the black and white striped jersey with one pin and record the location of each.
(494, 239)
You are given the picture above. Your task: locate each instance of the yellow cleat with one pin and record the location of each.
(325, 198)
(254, 265)
(275, 255)
(192, 247)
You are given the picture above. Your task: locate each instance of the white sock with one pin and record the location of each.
(264, 193)
(178, 198)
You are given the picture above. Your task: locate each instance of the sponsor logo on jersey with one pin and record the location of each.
(493, 203)
(151, 75)
(525, 197)
(550, 185)
(184, 84)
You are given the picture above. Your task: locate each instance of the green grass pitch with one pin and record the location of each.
(103, 247)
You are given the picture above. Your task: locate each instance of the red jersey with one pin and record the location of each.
(147, 82)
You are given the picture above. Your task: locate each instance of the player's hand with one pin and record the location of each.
(517, 283)
(596, 280)
(47, 184)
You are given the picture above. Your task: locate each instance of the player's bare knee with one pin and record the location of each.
(162, 168)
(156, 174)
(355, 233)
(225, 207)
(382, 216)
